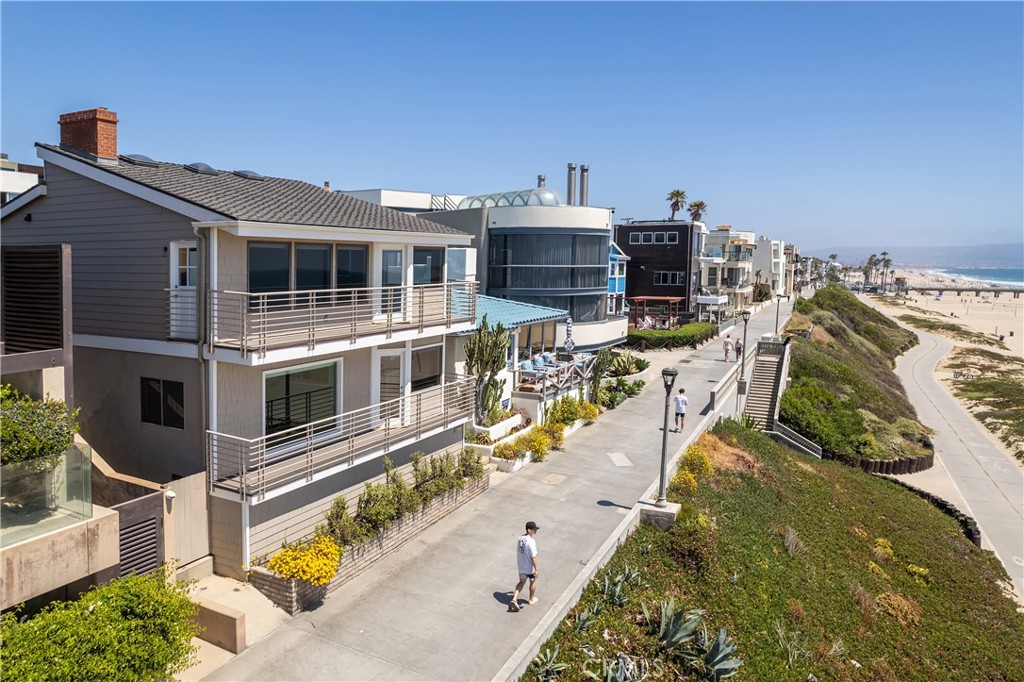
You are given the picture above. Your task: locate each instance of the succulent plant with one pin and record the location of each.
(548, 666)
(676, 627)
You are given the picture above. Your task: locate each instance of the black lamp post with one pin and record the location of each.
(778, 298)
(743, 358)
(668, 375)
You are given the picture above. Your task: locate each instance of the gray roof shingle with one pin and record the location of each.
(273, 200)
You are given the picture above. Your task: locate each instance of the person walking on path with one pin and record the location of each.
(739, 350)
(727, 346)
(526, 559)
(681, 403)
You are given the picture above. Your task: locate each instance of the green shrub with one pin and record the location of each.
(34, 429)
(137, 628)
(612, 399)
(377, 508)
(693, 540)
(340, 525)
(505, 450)
(470, 465)
(688, 336)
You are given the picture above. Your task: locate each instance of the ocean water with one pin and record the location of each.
(1004, 276)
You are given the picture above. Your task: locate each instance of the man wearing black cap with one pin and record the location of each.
(526, 558)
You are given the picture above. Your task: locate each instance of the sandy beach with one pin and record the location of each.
(985, 313)
(998, 319)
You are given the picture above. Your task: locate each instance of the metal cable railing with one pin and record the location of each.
(257, 322)
(252, 467)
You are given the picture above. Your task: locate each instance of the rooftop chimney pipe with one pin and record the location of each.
(540, 180)
(584, 183)
(570, 197)
(327, 185)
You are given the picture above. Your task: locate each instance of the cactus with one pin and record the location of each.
(486, 355)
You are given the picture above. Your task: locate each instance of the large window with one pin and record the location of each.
(163, 403)
(634, 237)
(351, 269)
(300, 396)
(312, 266)
(672, 237)
(428, 265)
(269, 267)
(426, 368)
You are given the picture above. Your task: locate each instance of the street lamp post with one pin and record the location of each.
(778, 299)
(741, 384)
(668, 375)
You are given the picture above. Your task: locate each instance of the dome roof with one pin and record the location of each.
(537, 196)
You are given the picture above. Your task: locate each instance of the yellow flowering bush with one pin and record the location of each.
(919, 574)
(696, 462)
(684, 482)
(588, 412)
(883, 549)
(315, 561)
(877, 570)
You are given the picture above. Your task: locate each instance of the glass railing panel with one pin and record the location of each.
(45, 494)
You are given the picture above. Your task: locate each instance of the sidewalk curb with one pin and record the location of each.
(517, 663)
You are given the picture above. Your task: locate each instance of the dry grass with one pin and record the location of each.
(727, 457)
(864, 600)
(906, 611)
(794, 545)
(795, 611)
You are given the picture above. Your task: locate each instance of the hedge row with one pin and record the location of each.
(688, 336)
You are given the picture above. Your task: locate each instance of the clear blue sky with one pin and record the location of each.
(826, 124)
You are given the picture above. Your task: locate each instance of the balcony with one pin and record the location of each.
(256, 323)
(738, 256)
(271, 465)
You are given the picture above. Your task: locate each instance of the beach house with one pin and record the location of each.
(270, 335)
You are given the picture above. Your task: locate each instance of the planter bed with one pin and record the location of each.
(510, 466)
(488, 450)
(296, 595)
(501, 429)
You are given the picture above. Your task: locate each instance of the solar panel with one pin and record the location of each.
(200, 167)
(139, 160)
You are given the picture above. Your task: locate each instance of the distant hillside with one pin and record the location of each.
(972, 256)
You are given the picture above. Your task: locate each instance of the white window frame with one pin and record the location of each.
(659, 237)
(285, 449)
(672, 238)
(647, 238)
(634, 237)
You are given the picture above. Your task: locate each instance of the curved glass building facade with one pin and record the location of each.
(558, 267)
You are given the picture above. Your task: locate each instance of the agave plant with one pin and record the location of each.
(548, 666)
(675, 626)
(586, 618)
(625, 364)
(715, 659)
(613, 592)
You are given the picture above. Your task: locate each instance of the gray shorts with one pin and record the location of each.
(524, 576)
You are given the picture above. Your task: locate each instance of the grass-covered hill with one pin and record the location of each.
(844, 394)
(812, 567)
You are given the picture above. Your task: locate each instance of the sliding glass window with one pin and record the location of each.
(298, 397)
(269, 267)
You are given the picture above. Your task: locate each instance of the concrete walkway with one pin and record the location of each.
(971, 470)
(438, 608)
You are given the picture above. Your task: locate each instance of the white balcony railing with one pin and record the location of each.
(255, 323)
(253, 467)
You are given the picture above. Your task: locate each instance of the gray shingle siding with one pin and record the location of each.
(120, 268)
(272, 200)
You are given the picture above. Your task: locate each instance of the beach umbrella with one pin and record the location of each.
(569, 343)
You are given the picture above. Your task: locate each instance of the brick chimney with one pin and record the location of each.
(93, 131)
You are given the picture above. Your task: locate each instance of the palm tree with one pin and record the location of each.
(697, 210)
(677, 197)
(869, 269)
(884, 262)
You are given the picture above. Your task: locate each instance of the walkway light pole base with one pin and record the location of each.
(661, 518)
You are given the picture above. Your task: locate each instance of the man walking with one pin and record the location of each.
(727, 346)
(739, 350)
(681, 403)
(526, 559)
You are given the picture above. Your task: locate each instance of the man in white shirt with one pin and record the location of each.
(526, 559)
(681, 403)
